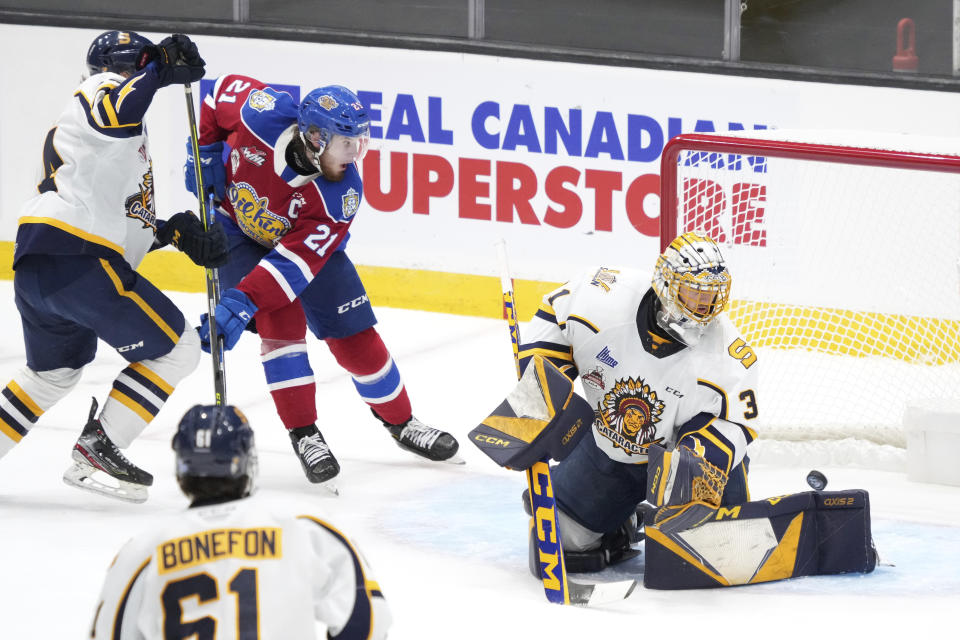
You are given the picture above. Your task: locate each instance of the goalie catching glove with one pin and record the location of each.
(685, 486)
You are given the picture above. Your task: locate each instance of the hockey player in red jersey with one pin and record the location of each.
(287, 196)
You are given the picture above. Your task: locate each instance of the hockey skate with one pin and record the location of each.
(94, 452)
(317, 460)
(427, 442)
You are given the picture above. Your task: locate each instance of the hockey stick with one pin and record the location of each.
(543, 506)
(212, 274)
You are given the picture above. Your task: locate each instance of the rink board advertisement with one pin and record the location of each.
(561, 160)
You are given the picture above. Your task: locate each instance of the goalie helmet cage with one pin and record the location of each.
(844, 251)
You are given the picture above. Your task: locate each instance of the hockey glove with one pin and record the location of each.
(681, 476)
(232, 314)
(175, 60)
(213, 171)
(207, 248)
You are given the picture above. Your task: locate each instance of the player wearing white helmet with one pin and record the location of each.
(660, 365)
(672, 388)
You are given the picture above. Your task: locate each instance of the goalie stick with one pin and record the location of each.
(212, 274)
(553, 571)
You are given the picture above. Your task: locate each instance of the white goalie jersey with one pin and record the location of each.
(95, 191)
(644, 387)
(234, 570)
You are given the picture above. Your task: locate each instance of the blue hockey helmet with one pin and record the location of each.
(215, 452)
(116, 51)
(334, 111)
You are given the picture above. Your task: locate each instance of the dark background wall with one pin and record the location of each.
(850, 41)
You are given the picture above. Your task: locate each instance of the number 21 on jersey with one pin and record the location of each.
(320, 241)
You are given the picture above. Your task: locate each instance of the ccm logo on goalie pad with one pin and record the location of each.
(491, 440)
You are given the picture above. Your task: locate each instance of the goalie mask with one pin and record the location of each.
(693, 285)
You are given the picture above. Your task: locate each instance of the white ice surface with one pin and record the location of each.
(447, 543)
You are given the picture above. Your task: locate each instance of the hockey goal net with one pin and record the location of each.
(844, 249)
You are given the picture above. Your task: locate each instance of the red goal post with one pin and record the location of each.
(844, 249)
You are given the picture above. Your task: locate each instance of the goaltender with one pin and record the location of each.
(671, 392)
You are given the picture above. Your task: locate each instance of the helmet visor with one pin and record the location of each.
(346, 150)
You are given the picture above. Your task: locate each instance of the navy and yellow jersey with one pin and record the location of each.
(643, 386)
(95, 191)
(234, 570)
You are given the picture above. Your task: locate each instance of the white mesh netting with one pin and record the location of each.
(846, 276)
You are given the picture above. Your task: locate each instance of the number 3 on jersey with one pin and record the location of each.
(320, 241)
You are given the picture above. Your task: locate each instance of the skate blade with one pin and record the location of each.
(84, 476)
(330, 486)
(454, 459)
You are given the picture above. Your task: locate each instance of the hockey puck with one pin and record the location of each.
(816, 480)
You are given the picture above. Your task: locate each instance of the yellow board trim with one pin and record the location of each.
(140, 302)
(25, 399)
(481, 296)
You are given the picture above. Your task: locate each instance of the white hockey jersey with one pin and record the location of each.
(591, 326)
(95, 192)
(235, 570)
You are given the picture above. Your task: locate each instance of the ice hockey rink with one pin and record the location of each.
(447, 543)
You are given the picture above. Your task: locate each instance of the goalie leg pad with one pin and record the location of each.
(810, 533)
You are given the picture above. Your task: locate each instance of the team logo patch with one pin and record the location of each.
(327, 102)
(594, 378)
(604, 277)
(254, 155)
(261, 100)
(351, 202)
(140, 205)
(254, 216)
(628, 415)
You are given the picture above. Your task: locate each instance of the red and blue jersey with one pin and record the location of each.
(302, 219)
